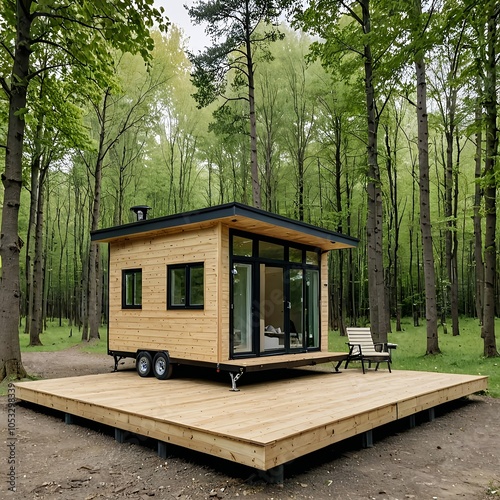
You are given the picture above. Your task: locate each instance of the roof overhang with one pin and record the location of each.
(234, 215)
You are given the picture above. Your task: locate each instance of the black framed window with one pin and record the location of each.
(185, 286)
(132, 289)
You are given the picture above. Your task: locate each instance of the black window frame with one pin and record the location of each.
(125, 273)
(287, 264)
(187, 280)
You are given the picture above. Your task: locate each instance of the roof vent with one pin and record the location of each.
(141, 211)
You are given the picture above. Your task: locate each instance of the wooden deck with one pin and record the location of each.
(268, 423)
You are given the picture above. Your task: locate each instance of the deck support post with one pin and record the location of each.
(234, 378)
(431, 414)
(162, 449)
(412, 421)
(367, 438)
(276, 475)
(69, 419)
(119, 435)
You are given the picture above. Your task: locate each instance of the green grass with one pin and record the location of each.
(57, 338)
(460, 354)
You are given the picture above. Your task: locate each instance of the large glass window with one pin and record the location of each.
(132, 289)
(268, 250)
(185, 286)
(312, 258)
(295, 255)
(242, 246)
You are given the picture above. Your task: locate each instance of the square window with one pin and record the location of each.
(132, 289)
(178, 287)
(196, 286)
(185, 287)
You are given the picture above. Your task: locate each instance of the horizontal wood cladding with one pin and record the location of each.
(224, 299)
(324, 302)
(185, 333)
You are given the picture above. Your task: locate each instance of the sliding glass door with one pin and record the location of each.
(275, 297)
(242, 308)
(296, 308)
(272, 308)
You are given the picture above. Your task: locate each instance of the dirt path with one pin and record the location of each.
(455, 456)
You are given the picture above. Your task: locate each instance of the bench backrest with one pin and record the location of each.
(363, 337)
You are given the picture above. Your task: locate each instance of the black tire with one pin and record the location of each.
(162, 368)
(144, 363)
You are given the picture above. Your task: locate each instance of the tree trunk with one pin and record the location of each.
(35, 175)
(10, 244)
(490, 183)
(449, 202)
(425, 212)
(38, 267)
(256, 198)
(478, 195)
(92, 299)
(374, 232)
(455, 325)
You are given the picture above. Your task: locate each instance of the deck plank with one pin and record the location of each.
(267, 423)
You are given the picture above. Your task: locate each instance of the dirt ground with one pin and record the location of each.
(455, 456)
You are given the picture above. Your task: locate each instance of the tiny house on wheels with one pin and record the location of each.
(231, 286)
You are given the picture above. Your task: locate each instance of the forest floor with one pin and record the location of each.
(455, 456)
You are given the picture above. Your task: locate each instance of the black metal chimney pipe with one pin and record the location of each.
(141, 211)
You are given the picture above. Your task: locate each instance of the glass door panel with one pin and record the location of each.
(296, 308)
(242, 308)
(272, 314)
(312, 308)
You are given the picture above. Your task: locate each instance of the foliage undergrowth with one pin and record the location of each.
(459, 354)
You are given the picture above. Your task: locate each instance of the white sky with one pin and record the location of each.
(175, 11)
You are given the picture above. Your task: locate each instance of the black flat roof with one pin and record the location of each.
(230, 213)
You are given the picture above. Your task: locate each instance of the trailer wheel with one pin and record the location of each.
(143, 363)
(162, 367)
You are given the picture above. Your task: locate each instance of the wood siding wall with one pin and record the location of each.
(224, 299)
(189, 334)
(324, 302)
(197, 335)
